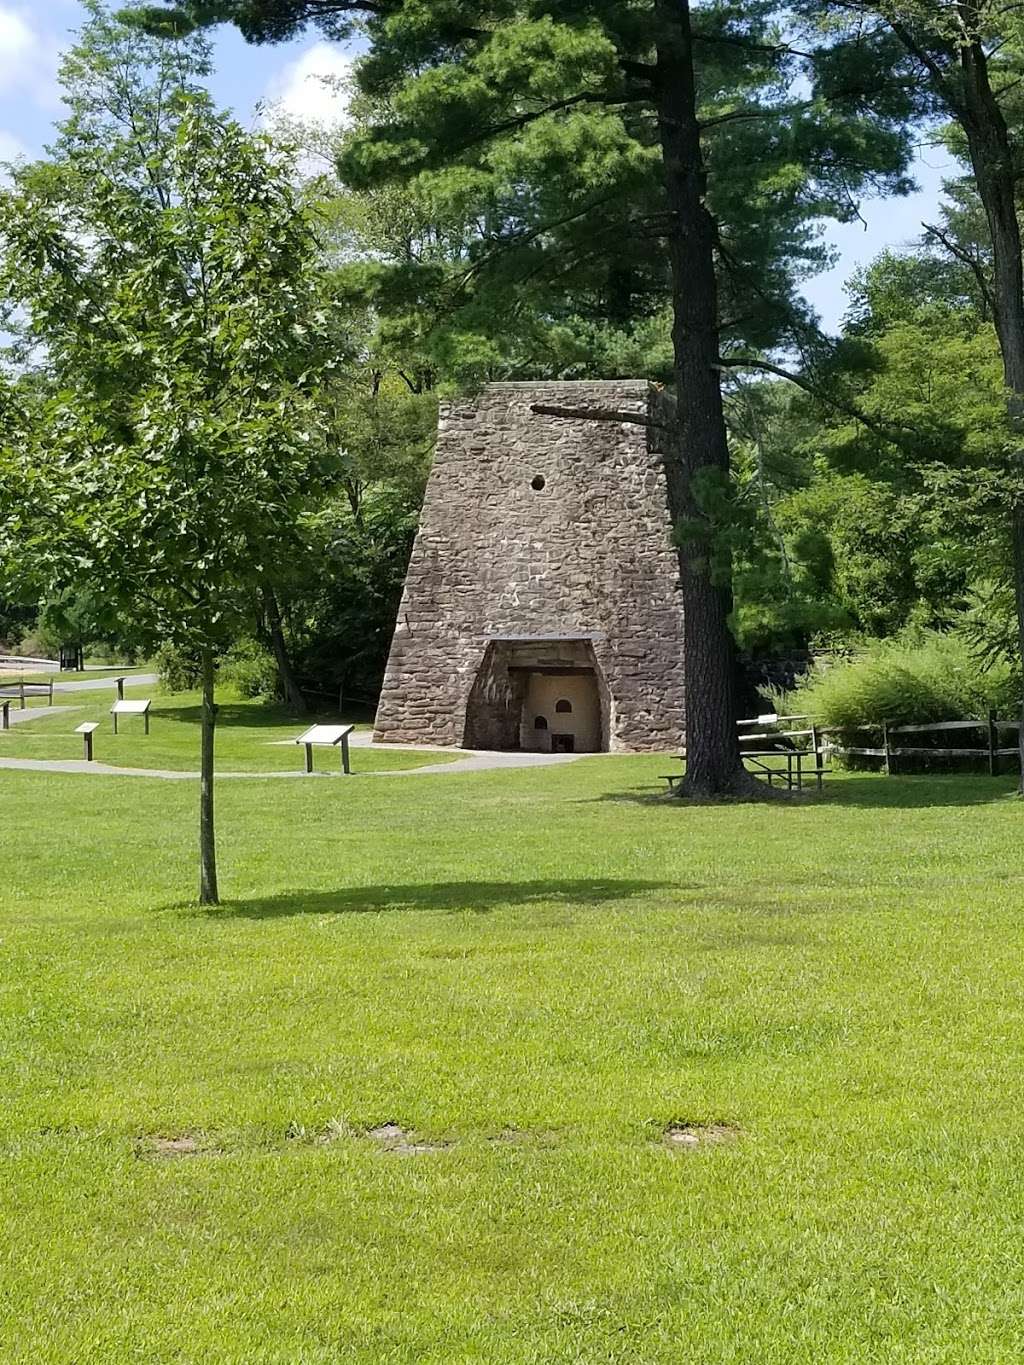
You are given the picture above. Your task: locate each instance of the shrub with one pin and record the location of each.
(250, 670)
(178, 668)
(918, 680)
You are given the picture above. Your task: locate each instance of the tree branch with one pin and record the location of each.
(882, 429)
(968, 260)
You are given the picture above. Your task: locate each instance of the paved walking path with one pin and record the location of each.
(471, 760)
(478, 761)
(38, 712)
(95, 684)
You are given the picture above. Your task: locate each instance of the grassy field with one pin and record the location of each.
(250, 738)
(9, 675)
(533, 974)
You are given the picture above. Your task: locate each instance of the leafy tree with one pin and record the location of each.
(628, 154)
(339, 604)
(171, 285)
(967, 57)
(903, 519)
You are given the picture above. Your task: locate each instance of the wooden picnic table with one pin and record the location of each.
(794, 765)
(792, 774)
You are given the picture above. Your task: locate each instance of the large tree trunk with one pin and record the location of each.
(207, 842)
(713, 763)
(290, 689)
(994, 166)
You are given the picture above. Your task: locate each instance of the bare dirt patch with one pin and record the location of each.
(393, 1138)
(160, 1146)
(689, 1137)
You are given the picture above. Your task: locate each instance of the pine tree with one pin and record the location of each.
(643, 153)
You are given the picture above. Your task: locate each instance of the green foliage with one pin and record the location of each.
(170, 280)
(342, 619)
(535, 126)
(916, 679)
(179, 667)
(248, 669)
(174, 283)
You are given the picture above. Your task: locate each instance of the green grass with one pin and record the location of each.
(542, 969)
(8, 676)
(250, 738)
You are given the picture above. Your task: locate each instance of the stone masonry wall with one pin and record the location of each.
(589, 555)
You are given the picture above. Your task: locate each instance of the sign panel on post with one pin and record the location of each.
(131, 708)
(329, 735)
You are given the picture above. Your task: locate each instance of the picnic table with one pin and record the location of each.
(776, 744)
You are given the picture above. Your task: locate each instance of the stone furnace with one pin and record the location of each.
(542, 605)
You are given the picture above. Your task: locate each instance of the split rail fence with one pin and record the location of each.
(992, 749)
(776, 735)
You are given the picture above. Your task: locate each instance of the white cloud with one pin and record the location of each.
(311, 89)
(28, 58)
(17, 40)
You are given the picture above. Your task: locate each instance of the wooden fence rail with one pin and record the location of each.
(801, 732)
(993, 751)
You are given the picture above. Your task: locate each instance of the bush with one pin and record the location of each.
(179, 669)
(250, 670)
(914, 680)
(35, 645)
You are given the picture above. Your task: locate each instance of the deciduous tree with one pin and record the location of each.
(171, 286)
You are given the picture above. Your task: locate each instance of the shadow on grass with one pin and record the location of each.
(915, 793)
(479, 897)
(249, 717)
(888, 793)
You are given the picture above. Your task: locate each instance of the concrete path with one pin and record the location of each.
(475, 762)
(79, 765)
(38, 712)
(483, 760)
(471, 760)
(95, 684)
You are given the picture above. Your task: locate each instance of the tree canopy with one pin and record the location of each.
(172, 300)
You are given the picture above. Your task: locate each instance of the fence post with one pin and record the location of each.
(888, 751)
(993, 745)
(819, 758)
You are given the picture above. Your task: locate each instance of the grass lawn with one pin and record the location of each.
(250, 737)
(9, 676)
(532, 973)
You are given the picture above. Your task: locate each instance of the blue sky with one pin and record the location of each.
(33, 32)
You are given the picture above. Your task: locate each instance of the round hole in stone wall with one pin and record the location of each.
(537, 482)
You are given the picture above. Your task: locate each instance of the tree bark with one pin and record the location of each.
(290, 689)
(714, 767)
(207, 841)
